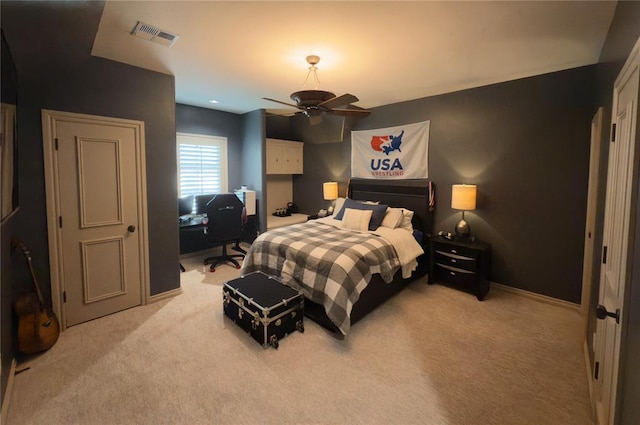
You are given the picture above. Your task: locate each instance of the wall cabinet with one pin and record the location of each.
(284, 157)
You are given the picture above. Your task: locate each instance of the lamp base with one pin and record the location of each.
(463, 230)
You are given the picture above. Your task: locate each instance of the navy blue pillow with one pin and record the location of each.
(376, 217)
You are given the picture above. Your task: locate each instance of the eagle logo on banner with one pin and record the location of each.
(391, 153)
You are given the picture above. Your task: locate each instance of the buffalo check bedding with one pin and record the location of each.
(329, 265)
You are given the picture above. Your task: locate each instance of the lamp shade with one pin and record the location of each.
(330, 190)
(463, 197)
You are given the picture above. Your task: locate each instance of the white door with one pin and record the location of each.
(592, 198)
(98, 214)
(620, 184)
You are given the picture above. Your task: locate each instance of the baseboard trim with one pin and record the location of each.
(168, 294)
(6, 399)
(538, 297)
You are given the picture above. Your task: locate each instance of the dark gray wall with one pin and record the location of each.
(8, 260)
(623, 34)
(525, 143)
(253, 160)
(56, 71)
(192, 119)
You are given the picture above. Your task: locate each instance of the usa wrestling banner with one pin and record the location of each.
(391, 153)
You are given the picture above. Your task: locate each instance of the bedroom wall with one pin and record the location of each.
(525, 143)
(209, 122)
(56, 71)
(253, 161)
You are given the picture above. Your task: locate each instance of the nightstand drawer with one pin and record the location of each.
(456, 250)
(456, 276)
(455, 260)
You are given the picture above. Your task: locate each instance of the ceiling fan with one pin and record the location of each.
(313, 103)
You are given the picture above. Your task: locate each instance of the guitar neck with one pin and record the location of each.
(33, 274)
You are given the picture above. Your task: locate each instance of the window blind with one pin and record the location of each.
(200, 169)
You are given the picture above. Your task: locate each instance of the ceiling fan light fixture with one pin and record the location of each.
(314, 102)
(312, 60)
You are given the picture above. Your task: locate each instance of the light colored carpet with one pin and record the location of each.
(431, 355)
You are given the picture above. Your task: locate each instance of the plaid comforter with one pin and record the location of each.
(330, 266)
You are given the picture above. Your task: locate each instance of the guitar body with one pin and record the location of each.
(38, 328)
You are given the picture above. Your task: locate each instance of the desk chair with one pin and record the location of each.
(225, 215)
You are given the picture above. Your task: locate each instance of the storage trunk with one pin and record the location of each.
(264, 307)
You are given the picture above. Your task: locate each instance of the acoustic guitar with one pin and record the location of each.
(38, 328)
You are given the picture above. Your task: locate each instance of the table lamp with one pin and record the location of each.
(463, 197)
(330, 193)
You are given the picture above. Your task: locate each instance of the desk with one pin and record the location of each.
(192, 236)
(275, 222)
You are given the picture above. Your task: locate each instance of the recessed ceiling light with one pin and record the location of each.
(214, 101)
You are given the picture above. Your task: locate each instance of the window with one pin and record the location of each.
(202, 164)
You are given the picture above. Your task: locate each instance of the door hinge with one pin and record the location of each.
(596, 371)
(64, 296)
(613, 132)
(60, 221)
(604, 255)
(56, 140)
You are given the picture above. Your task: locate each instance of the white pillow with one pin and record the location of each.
(356, 219)
(407, 215)
(392, 218)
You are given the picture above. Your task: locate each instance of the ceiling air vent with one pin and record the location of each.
(155, 34)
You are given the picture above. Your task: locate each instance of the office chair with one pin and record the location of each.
(225, 215)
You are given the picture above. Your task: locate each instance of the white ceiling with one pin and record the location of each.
(383, 52)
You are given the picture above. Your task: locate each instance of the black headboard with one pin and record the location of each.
(411, 194)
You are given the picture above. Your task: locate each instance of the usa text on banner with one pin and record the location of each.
(391, 153)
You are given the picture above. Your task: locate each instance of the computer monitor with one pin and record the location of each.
(185, 205)
(202, 201)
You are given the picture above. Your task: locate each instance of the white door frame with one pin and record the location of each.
(52, 189)
(592, 206)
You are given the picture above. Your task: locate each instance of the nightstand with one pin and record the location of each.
(462, 264)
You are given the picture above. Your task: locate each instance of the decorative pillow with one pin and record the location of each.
(356, 219)
(376, 217)
(392, 218)
(407, 216)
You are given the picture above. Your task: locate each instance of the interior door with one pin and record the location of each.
(100, 227)
(621, 183)
(592, 198)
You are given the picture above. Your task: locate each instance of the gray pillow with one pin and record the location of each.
(376, 216)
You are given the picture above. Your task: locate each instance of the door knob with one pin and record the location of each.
(131, 228)
(602, 313)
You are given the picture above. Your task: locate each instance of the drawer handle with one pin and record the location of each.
(452, 273)
(454, 251)
(453, 260)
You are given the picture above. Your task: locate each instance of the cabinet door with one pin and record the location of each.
(292, 159)
(274, 159)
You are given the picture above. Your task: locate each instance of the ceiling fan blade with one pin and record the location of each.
(341, 100)
(281, 102)
(349, 112)
(281, 113)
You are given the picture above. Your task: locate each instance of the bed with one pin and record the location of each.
(345, 274)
